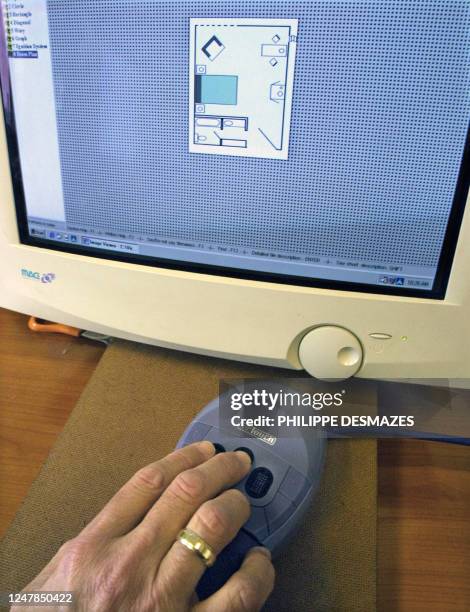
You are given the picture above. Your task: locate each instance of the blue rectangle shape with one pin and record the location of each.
(219, 89)
(197, 89)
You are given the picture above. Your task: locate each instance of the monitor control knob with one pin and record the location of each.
(330, 353)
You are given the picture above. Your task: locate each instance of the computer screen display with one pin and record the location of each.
(312, 142)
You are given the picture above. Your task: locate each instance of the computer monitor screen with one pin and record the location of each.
(310, 142)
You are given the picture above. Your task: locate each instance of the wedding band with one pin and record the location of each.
(193, 542)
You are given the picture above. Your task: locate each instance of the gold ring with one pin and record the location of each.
(194, 542)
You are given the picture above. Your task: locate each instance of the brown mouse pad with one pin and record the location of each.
(133, 411)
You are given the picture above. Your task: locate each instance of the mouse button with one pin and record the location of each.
(257, 524)
(294, 486)
(196, 433)
(278, 512)
(259, 482)
(248, 451)
(229, 442)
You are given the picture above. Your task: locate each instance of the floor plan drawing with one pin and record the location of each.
(241, 86)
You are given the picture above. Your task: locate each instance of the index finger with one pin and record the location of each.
(134, 499)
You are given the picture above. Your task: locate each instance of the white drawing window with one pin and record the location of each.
(241, 85)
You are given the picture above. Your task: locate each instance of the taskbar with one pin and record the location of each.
(245, 258)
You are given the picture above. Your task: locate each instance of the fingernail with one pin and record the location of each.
(245, 457)
(262, 550)
(207, 447)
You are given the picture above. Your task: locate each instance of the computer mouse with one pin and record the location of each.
(285, 474)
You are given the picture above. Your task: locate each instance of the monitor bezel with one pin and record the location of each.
(441, 279)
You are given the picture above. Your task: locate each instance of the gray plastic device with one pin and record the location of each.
(284, 476)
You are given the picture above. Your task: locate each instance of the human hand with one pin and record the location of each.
(128, 558)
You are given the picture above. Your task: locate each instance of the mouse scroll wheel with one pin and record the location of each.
(259, 482)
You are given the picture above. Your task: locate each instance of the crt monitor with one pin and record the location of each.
(281, 182)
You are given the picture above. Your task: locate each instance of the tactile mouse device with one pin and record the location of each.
(285, 474)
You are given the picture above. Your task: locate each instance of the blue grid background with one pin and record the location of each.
(379, 118)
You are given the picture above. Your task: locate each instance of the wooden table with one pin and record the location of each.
(424, 487)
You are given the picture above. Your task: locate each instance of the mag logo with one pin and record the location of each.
(42, 277)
